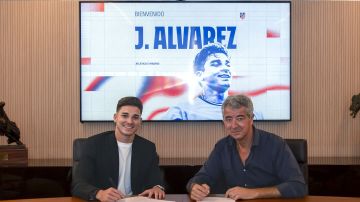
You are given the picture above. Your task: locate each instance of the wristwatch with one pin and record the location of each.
(160, 187)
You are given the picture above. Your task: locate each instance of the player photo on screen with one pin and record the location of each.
(212, 70)
(183, 59)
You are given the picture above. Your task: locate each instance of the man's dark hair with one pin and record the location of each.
(207, 50)
(130, 101)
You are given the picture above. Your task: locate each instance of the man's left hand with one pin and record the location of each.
(155, 191)
(246, 193)
(236, 193)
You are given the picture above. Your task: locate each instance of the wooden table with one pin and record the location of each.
(185, 198)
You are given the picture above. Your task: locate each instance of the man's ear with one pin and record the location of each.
(114, 117)
(199, 74)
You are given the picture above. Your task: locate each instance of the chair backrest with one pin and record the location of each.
(299, 149)
(78, 146)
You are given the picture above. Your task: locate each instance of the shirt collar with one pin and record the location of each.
(256, 137)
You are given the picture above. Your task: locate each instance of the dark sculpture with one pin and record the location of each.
(8, 128)
(355, 105)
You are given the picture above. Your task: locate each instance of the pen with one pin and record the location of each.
(112, 183)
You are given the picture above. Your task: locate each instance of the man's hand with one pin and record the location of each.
(155, 191)
(199, 192)
(109, 195)
(245, 193)
(241, 193)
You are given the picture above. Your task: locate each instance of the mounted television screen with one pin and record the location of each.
(182, 59)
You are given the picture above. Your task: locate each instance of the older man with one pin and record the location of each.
(248, 163)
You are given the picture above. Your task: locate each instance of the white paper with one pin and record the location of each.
(213, 199)
(141, 199)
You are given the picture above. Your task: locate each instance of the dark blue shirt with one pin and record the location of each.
(270, 163)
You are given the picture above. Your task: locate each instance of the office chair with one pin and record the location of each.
(78, 146)
(299, 149)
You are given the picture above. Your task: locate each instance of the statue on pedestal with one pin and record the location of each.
(8, 127)
(355, 105)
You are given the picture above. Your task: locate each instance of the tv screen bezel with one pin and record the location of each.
(186, 2)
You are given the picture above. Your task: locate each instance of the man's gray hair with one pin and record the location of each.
(237, 101)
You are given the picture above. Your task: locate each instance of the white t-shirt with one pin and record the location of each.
(124, 184)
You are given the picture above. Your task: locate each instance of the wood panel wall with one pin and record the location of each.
(39, 81)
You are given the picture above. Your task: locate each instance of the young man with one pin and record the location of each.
(213, 71)
(119, 163)
(249, 163)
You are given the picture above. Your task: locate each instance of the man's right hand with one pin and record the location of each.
(109, 195)
(199, 192)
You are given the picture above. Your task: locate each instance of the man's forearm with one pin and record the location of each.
(292, 189)
(268, 192)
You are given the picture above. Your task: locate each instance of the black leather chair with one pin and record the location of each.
(78, 145)
(299, 149)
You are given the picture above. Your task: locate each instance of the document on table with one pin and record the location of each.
(214, 199)
(141, 199)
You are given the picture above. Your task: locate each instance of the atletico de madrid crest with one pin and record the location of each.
(242, 15)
